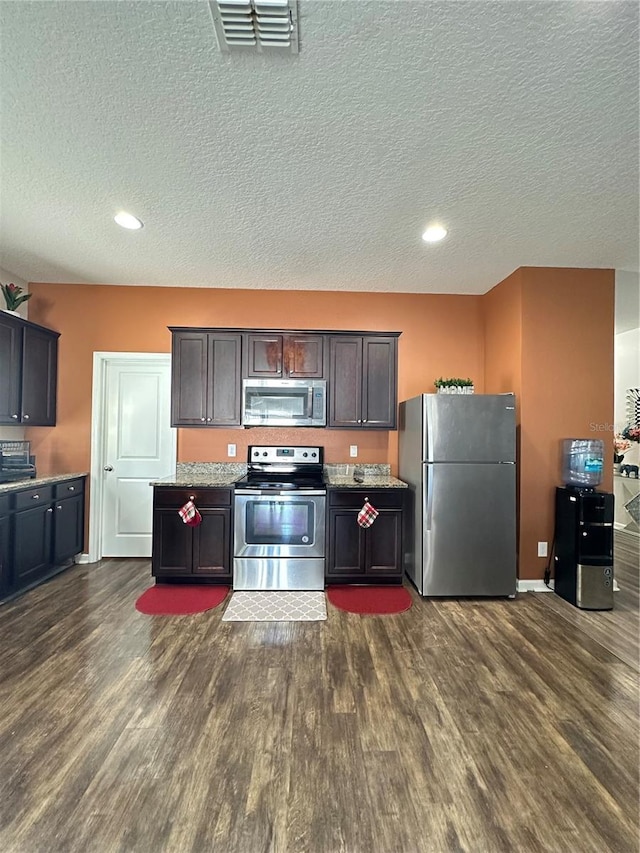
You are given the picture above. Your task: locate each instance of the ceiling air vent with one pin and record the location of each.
(262, 26)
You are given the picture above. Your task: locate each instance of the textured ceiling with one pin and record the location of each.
(515, 124)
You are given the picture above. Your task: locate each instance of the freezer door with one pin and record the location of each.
(469, 530)
(469, 428)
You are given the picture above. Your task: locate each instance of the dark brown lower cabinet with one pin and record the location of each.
(366, 555)
(41, 529)
(5, 533)
(199, 554)
(68, 520)
(32, 544)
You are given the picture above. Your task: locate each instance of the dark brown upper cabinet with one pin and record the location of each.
(29, 359)
(363, 381)
(208, 366)
(283, 356)
(205, 377)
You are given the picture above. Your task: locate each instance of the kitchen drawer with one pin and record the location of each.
(380, 498)
(4, 504)
(202, 496)
(33, 497)
(68, 489)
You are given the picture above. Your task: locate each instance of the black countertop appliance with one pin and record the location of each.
(16, 462)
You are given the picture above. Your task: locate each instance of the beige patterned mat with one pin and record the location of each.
(276, 606)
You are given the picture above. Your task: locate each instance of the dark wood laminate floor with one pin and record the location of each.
(618, 630)
(475, 726)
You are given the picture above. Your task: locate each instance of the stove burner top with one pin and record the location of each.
(264, 481)
(280, 468)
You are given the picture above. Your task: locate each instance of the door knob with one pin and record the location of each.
(108, 467)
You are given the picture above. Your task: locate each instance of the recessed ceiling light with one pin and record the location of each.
(434, 233)
(128, 220)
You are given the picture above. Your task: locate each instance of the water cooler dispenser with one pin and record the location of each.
(583, 549)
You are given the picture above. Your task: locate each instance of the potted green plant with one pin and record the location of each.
(453, 385)
(13, 297)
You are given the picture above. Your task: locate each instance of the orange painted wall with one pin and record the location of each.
(549, 334)
(502, 314)
(440, 335)
(567, 388)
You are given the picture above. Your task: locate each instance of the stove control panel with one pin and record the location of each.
(287, 455)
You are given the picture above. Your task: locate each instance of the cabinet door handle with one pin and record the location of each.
(50, 509)
(25, 417)
(35, 497)
(15, 417)
(59, 506)
(203, 420)
(71, 488)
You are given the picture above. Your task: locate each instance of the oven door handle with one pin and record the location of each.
(276, 493)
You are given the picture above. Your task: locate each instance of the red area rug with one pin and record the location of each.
(180, 599)
(369, 599)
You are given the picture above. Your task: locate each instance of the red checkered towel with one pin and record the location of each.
(189, 514)
(367, 515)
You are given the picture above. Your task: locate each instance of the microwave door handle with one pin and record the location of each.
(310, 401)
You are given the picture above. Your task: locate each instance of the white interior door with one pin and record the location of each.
(138, 446)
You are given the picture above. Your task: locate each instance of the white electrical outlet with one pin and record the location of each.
(231, 450)
(542, 549)
(353, 450)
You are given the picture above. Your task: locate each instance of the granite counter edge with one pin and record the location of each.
(37, 482)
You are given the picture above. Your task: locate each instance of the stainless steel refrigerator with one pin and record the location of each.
(457, 452)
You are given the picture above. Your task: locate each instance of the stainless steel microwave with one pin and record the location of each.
(284, 402)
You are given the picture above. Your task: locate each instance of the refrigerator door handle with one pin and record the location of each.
(428, 508)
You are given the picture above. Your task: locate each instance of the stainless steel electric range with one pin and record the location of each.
(279, 520)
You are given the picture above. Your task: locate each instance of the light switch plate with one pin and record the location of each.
(353, 450)
(542, 549)
(231, 450)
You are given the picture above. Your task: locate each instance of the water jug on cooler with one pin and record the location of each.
(582, 462)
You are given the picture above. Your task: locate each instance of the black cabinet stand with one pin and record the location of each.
(584, 548)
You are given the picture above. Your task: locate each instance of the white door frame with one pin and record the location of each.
(100, 363)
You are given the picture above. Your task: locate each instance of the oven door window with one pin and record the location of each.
(280, 523)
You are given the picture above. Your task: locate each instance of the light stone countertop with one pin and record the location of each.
(369, 482)
(375, 476)
(204, 474)
(36, 482)
(213, 480)
(225, 474)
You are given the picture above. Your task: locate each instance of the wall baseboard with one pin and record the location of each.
(534, 586)
(81, 559)
(540, 586)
